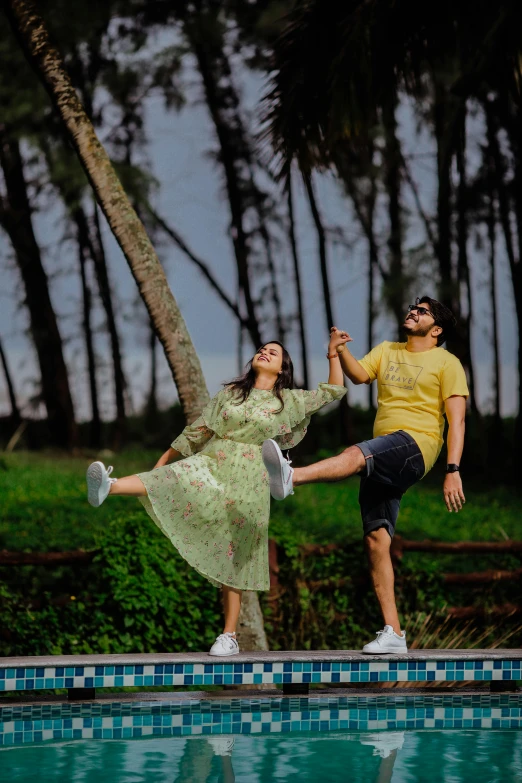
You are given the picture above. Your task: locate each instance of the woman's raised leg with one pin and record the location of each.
(128, 485)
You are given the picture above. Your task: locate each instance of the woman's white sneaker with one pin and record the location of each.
(225, 644)
(98, 482)
(387, 641)
(279, 471)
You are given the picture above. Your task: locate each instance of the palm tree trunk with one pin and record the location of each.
(323, 261)
(151, 407)
(494, 314)
(500, 168)
(125, 224)
(16, 219)
(297, 275)
(229, 139)
(16, 416)
(120, 383)
(394, 284)
(464, 278)
(95, 429)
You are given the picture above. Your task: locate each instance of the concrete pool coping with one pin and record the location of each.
(262, 656)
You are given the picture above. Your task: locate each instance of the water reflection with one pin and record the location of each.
(460, 756)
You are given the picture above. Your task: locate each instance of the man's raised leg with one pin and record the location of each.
(347, 463)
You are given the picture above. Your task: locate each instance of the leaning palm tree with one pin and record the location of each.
(127, 228)
(164, 313)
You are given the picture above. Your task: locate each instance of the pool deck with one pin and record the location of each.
(295, 671)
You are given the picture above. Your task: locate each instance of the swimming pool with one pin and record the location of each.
(454, 737)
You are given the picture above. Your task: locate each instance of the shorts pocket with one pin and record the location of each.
(412, 471)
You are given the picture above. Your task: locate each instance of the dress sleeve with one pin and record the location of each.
(372, 361)
(196, 435)
(292, 423)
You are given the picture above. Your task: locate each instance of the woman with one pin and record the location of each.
(214, 504)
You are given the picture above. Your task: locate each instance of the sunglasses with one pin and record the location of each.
(420, 310)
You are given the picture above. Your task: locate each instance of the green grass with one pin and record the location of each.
(44, 507)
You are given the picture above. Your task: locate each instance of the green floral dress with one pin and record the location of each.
(214, 505)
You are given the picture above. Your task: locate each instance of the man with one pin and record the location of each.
(417, 382)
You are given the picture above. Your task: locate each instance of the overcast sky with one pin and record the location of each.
(191, 198)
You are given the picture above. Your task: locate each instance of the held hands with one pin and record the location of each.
(338, 340)
(453, 492)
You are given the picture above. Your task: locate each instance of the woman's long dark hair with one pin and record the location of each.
(244, 384)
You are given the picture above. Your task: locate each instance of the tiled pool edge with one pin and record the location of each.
(83, 674)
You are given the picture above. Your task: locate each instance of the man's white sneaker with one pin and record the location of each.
(384, 743)
(222, 746)
(225, 644)
(279, 471)
(98, 483)
(387, 641)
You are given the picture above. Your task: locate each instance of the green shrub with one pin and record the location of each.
(139, 595)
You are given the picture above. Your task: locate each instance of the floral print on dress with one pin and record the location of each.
(214, 504)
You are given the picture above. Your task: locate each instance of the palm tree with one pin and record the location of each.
(128, 230)
(17, 221)
(130, 234)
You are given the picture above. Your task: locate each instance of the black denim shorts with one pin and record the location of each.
(394, 463)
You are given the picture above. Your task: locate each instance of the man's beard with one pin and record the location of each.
(416, 330)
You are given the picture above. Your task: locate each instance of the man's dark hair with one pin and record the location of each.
(443, 317)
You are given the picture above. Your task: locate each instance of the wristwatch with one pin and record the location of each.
(452, 468)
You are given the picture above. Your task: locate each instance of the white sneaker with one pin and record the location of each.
(384, 742)
(387, 641)
(225, 644)
(222, 746)
(279, 471)
(98, 483)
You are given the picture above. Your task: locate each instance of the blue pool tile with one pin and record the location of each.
(506, 664)
(119, 671)
(99, 671)
(497, 664)
(287, 667)
(69, 682)
(238, 668)
(40, 672)
(267, 667)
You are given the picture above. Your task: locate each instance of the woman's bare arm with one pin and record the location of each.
(169, 456)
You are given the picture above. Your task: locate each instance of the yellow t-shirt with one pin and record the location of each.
(411, 390)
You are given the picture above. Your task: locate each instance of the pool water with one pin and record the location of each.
(473, 739)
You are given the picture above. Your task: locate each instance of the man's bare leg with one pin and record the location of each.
(377, 545)
(348, 463)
